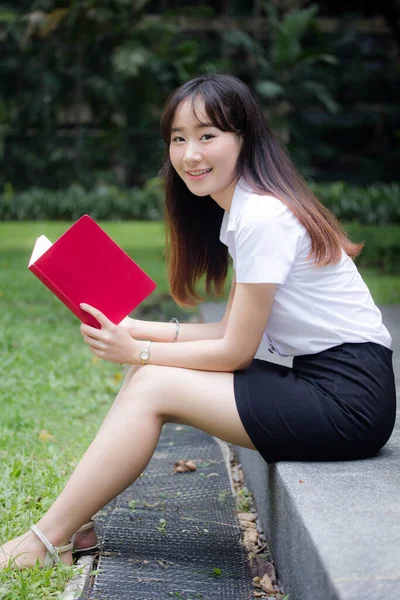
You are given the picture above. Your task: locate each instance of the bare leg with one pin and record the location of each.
(130, 373)
(88, 539)
(126, 441)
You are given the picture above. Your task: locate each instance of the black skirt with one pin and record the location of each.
(339, 404)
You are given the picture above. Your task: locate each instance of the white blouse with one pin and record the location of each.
(314, 308)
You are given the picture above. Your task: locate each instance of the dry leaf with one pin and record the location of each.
(250, 539)
(301, 480)
(260, 567)
(247, 516)
(237, 475)
(45, 436)
(247, 525)
(184, 466)
(266, 584)
(181, 469)
(192, 466)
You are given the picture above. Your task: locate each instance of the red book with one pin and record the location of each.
(86, 265)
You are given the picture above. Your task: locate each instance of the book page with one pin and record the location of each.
(41, 246)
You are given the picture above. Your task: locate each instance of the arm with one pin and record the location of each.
(165, 332)
(245, 323)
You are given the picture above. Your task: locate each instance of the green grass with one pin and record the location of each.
(145, 242)
(385, 289)
(50, 382)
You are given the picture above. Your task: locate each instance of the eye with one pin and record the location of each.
(207, 135)
(178, 138)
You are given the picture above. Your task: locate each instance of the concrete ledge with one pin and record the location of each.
(75, 586)
(333, 528)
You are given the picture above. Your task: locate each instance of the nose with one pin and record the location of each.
(192, 154)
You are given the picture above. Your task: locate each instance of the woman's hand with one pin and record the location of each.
(111, 342)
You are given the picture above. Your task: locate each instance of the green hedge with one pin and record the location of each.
(372, 205)
(382, 246)
(105, 202)
(373, 212)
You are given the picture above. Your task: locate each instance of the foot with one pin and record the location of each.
(24, 551)
(85, 540)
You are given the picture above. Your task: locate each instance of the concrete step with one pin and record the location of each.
(333, 528)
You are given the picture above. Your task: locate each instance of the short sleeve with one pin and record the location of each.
(223, 230)
(267, 243)
(227, 238)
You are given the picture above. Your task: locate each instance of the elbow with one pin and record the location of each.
(238, 359)
(241, 362)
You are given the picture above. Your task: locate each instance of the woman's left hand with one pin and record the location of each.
(111, 342)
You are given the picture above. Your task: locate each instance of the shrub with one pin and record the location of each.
(381, 249)
(106, 202)
(371, 205)
(373, 211)
(374, 205)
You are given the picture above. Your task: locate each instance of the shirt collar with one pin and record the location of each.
(239, 198)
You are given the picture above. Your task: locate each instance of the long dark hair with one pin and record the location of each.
(193, 223)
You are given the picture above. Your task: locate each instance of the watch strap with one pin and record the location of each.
(145, 354)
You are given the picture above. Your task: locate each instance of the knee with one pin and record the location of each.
(153, 385)
(144, 375)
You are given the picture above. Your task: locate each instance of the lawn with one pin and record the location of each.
(53, 392)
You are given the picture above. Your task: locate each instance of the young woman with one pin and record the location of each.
(232, 190)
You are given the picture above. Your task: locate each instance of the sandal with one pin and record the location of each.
(53, 553)
(84, 549)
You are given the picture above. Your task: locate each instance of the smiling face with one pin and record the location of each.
(203, 155)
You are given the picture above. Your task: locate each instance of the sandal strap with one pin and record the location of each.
(52, 550)
(86, 526)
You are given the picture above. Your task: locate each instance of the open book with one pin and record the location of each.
(86, 265)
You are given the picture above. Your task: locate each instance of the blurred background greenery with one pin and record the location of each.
(83, 84)
(82, 87)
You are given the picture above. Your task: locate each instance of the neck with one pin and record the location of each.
(224, 197)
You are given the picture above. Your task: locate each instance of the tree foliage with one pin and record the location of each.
(83, 86)
(83, 83)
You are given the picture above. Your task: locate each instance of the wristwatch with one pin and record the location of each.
(145, 354)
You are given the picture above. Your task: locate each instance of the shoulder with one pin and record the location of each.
(262, 206)
(261, 211)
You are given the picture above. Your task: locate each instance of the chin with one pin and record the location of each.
(196, 192)
(200, 194)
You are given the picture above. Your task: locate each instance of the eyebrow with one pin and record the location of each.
(199, 126)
